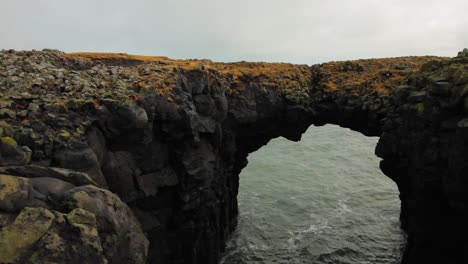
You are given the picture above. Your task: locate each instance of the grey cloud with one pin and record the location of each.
(298, 31)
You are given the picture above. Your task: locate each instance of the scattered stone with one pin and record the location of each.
(463, 53)
(33, 107)
(6, 113)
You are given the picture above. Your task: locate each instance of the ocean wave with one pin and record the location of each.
(320, 201)
(297, 236)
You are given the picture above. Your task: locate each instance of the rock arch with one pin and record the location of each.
(169, 138)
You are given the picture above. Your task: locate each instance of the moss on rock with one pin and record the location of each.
(16, 239)
(8, 186)
(420, 108)
(86, 223)
(10, 141)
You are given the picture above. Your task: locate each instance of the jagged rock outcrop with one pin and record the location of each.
(132, 159)
(424, 149)
(45, 219)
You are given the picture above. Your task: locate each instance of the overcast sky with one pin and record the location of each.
(298, 31)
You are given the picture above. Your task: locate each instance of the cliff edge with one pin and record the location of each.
(111, 158)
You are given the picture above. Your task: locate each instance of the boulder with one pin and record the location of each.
(82, 160)
(11, 154)
(120, 232)
(39, 235)
(35, 171)
(18, 192)
(27, 229)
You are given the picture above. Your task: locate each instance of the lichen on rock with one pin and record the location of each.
(28, 228)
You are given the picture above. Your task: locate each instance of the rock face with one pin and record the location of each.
(49, 220)
(424, 148)
(112, 158)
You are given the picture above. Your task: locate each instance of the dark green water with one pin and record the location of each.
(321, 200)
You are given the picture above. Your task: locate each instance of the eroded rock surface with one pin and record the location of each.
(424, 148)
(47, 220)
(115, 158)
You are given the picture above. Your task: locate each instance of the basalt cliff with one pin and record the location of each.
(115, 158)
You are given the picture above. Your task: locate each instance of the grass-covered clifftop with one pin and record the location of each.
(52, 96)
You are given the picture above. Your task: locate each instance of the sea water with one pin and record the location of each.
(320, 200)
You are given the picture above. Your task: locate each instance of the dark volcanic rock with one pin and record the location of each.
(120, 233)
(121, 172)
(12, 154)
(112, 158)
(426, 156)
(84, 160)
(34, 171)
(98, 227)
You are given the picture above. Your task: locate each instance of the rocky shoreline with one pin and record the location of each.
(115, 158)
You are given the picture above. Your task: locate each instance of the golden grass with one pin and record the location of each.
(380, 75)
